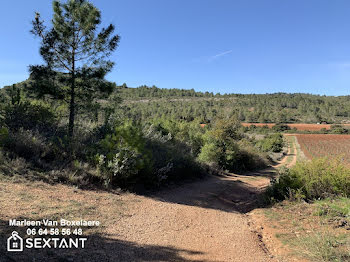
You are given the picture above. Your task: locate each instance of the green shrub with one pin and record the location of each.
(271, 143)
(230, 155)
(29, 116)
(173, 160)
(4, 136)
(123, 159)
(219, 149)
(338, 129)
(190, 133)
(210, 154)
(224, 147)
(334, 207)
(281, 127)
(249, 159)
(31, 146)
(316, 179)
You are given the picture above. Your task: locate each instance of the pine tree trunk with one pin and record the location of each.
(71, 109)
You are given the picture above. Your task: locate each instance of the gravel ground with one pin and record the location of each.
(201, 221)
(206, 220)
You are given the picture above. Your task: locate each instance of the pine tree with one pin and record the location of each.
(75, 56)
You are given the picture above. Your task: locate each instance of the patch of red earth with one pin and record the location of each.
(301, 126)
(325, 145)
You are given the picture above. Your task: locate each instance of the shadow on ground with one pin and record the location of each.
(98, 248)
(228, 193)
(231, 193)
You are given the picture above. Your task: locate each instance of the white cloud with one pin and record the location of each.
(210, 59)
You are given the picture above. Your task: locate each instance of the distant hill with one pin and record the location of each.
(259, 108)
(152, 101)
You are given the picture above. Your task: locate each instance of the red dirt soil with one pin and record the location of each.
(325, 145)
(301, 126)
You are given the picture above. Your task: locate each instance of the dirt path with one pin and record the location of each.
(206, 220)
(291, 157)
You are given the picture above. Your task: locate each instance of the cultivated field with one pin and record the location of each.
(321, 145)
(301, 127)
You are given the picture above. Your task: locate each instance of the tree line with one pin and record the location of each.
(67, 123)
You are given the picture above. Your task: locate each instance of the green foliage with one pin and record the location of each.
(221, 148)
(33, 147)
(75, 56)
(210, 154)
(155, 92)
(29, 131)
(173, 159)
(220, 145)
(280, 127)
(4, 136)
(190, 133)
(322, 246)
(123, 156)
(271, 143)
(332, 208)
(267, 108)
(14, 94)
(131, 156)
(338, 129)
(29, 115)
(146, 103)
(316, 179)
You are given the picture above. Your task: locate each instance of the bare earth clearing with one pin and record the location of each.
(298, 126)
(206, 220)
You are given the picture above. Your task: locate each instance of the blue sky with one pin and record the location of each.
(226, 46)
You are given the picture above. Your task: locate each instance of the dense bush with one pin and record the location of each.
(316, 179)
(189, 133)
(280, 127)
(257, 129)
(210, 154)
(30, 130)
(31, 116)
(173, 160)
(123, 158)
(123, 153)
(223, 148)
(220, 145)
(132, 156)
(32, 146)
(248, 159)
(338, 129)
(271, 143)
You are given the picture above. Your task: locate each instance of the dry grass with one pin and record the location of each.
(291, 140)
(308, 235)
(22, 199)
(38, 200)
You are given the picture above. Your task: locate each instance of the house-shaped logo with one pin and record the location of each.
(14, 242)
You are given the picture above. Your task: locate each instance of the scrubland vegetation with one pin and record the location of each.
(313, 220)
(317, 179)
(125, 151)
(67, 124)
(252, 108)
